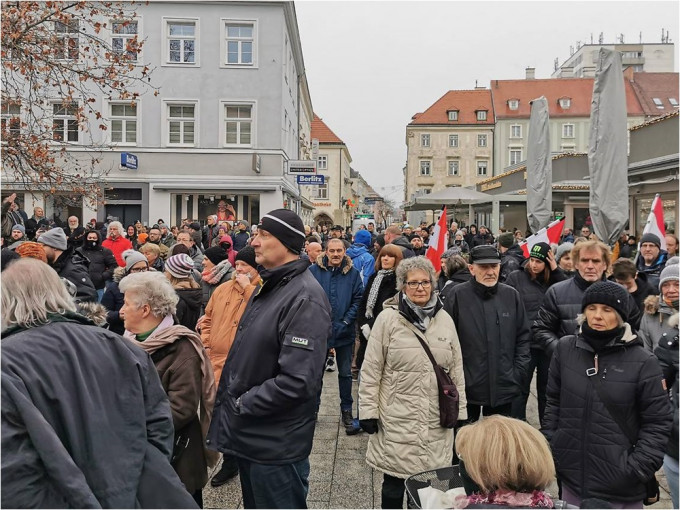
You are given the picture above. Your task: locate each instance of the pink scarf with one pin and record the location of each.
(535, 499)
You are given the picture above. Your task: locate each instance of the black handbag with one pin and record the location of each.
(448, 393)
(652, 485)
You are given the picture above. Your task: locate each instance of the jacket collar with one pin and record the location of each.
(346, 265)
(279, 276)
(627, 340)
(53, 317)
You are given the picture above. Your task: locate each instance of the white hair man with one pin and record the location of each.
(116, 242)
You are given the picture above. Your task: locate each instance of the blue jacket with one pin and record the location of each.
(362, 260)
(344, 289)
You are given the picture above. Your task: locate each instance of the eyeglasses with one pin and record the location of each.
(138, 269)
(414, 285)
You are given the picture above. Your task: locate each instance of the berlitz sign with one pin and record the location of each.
(313, 180)
(128, 160)
(305, 167)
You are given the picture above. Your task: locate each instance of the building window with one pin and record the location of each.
(658, 103)
(181, 38)
(425, 168)
(320, 191)
(453, 115)
(516, 131)
(513, 104)
(453, 140)
(238, 123)
(124, 38)
(424, 140)
(67, 37)
(11, 118)
(481, 114)
(565, 103)
(515, 156)
(673, 101)
(482, 167)
(481, 140)
(322, 163)
(567, 131)
(124, 123)
(454, 168)
(181, 124)
(239, 43)
(65, 122)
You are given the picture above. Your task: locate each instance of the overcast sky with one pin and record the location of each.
(372, 65)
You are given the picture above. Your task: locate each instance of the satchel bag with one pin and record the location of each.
(652, 485)
(448, 393)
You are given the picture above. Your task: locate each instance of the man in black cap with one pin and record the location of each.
(266, 402)
(196, 235)
(512, 256)
(337, 233)
(494, 335)
(652, 259)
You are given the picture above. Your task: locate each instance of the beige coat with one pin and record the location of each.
(399, 388)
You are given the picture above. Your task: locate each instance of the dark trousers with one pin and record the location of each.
(474, 411)
(392, 495)
(268, 486)
(343, 358)
(198, 497)
(541, 363)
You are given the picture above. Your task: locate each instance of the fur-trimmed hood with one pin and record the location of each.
(346, 265)
(119, 273)
(654, 305)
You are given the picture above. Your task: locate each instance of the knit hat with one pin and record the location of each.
(33, 250)
(506, 239)
(286, 226)
(54, 238)
(455, 250)
(195, 226)
(142, 238)
(562, 250)
(180, 266)
(19, 227)
(216, 254)
(540, 251)
(650, 238)
(247, 255)
(672, 261)
(6, 257)
(131, 257)
(670, 272)
(607, 293)
(363, 237)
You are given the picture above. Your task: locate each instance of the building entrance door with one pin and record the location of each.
(126, 214)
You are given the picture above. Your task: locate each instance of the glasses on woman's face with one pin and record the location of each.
(424, 284)
(139, 269)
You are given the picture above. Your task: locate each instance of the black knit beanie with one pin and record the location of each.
(286, 226)
(216, 254)
(650, 238)
(540, 251)
(247, 255)
(610, 294)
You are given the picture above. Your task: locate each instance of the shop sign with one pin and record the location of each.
(311, 180)
(304, 167)
(491, 185)
(322, 204)
(128, 160)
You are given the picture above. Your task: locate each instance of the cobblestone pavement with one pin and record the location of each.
(340, 477)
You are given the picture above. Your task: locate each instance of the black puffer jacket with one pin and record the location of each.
(494, 337)
(592, 454)
(449, 283)
(73, 265)
(113, 301)
(562, 303)
(267, 397)
(480, 239)
(405, 245)
(667, 353)
(102, 262)
(189, 306)
(511, 261)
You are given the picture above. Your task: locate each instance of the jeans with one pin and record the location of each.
(670, 467)
(100, 293)
(343, 359)
(269, 486)
(541, 363)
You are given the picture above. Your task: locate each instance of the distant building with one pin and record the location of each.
(656, 92)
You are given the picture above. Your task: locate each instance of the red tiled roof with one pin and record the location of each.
(467, 102)
(579, 90)
(322, 132)
(662, 86)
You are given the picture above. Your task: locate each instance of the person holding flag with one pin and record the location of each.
(652, 254)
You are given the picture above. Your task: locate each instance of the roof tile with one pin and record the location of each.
(661, 86)
(467, 102)
(322, 132)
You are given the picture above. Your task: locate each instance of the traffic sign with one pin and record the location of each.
(304, 167)
(311, 180)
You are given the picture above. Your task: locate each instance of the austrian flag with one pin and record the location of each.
(438, 242)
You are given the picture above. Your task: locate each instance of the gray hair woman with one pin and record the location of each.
(398, 394)
(183, 366)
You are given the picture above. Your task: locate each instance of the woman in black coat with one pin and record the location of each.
(381, 286)
(603, 372)
(102, 261)
(539, 273)
(454, 272)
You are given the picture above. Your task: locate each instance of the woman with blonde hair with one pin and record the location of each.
(506, 463)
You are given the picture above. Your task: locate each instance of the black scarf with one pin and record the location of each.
(600, 339)
(482, 290)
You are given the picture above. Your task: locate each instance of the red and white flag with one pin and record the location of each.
(438, 242)
(550, 234)
(655, 221)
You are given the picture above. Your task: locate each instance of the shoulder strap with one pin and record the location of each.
(423, 343)
(613, 411)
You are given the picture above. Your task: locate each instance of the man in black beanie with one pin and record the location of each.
(652, 259)
(266, 401)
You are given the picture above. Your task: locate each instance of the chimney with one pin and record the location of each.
(530, 73)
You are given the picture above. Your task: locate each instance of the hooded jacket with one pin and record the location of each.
(494, 338)
(405, 245)
(362, 260)
(189, 304)
(592, 454)
(399, 389)
(240, 239)
(73, 265)
(102, 262)
(344, 289)
(511, 260)
(268, 393)
(653, 272)
(61, 410)
(654, 322)
(113, 301)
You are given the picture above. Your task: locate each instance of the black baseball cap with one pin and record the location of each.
(337, 227)
(484, 254)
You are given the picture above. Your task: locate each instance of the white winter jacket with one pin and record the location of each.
(399, 388)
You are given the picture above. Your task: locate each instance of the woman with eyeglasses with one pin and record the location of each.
(398, 394)
(135, 262)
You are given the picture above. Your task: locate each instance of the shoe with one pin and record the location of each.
(330, 364)
(228, 471)
(347, 419)
(353, 430)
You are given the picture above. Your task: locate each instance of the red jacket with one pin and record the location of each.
(118, 247)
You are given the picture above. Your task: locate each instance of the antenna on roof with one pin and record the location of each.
(662, 36)
(591, 38)
(621, 38)
(475, 83)
(640, 36)
(556, 63)
(571, 50)
(601, 38)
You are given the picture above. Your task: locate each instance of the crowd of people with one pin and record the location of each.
(217, 338)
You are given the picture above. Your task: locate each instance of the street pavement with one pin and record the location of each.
(340, 477)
